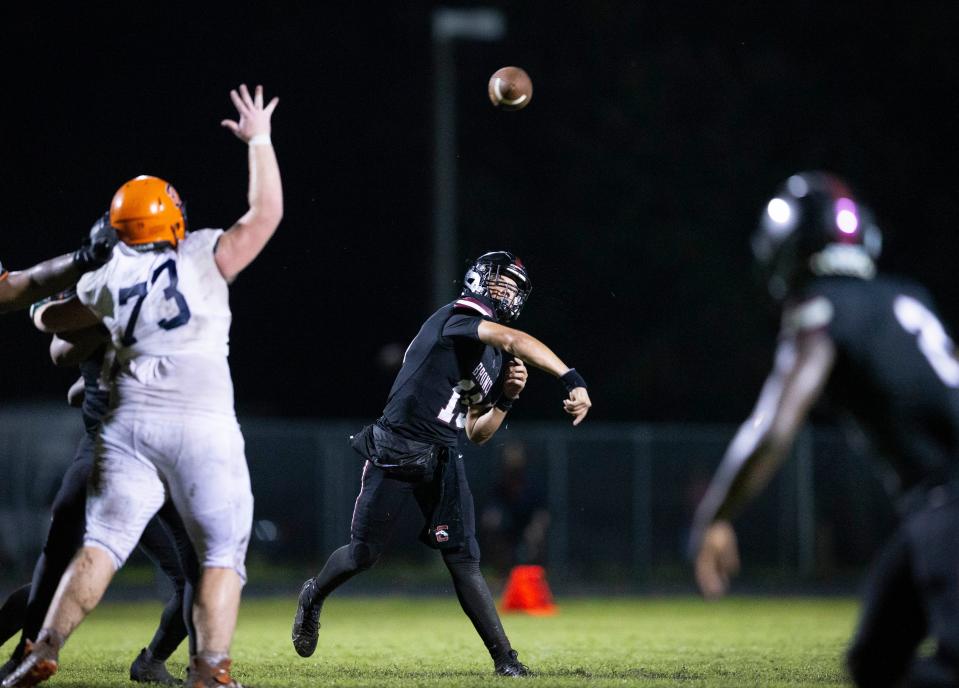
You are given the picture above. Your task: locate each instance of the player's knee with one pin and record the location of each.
(469, 553)
(364, 555)
(116, 555)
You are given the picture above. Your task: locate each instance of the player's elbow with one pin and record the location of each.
(267, 212)
(60, 355)
(476, 435)
(479, 439)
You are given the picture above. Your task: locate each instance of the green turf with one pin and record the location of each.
(428, 642)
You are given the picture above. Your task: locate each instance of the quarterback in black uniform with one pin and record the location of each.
(876, 347)
(164, 540)
(462, 372)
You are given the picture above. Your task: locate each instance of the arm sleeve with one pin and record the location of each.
(462, 325)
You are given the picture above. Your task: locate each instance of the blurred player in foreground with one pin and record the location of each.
(876, 346)
(462, 372)
(21, 288)
(164, 540)
(172, 432)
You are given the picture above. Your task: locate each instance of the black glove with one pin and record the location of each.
(97, 248)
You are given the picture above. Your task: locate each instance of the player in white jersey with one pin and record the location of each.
(172, 431)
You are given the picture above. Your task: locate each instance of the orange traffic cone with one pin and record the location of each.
(527, 591)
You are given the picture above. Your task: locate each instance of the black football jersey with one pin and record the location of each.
(96, 394)
(446, 370)
(896, 371)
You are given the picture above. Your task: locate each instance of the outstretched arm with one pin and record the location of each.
(243, 242)
(20, 289)
(800, 373)
(530, 350)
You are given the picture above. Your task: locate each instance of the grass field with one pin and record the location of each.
(429, 642)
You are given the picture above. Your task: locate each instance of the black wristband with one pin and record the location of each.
(504, 403)
(571, 380)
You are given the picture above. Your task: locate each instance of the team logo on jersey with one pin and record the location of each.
(442, 533)
(483, 378)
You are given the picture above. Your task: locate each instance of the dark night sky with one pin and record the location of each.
(629, 186)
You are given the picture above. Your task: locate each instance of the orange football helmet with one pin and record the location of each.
(148, 210)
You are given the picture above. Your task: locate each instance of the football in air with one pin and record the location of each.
(510, 88)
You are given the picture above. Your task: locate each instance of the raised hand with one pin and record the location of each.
(254, 117)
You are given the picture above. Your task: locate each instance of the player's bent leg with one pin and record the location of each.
(343, 564)
(377, 508)
(935, 559)
(124, 493)
(81, 589)
(12, 612)
(63, 540)
(892, 622)
(160, 546)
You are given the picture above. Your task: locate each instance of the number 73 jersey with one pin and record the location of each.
(169, 317)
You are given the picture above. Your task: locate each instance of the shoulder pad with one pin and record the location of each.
(473, 307)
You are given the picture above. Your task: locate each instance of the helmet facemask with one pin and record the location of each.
(501, 278)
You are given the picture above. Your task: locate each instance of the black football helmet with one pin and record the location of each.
(814, 226)
(487, 270)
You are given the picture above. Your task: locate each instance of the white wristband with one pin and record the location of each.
(260, 140)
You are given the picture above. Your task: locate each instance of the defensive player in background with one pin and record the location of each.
(876, 346)
(172, 430)
(164, 539)
(20, 288)
(456, 379)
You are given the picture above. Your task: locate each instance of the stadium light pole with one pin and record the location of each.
(450, 24)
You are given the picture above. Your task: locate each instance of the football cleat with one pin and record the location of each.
(204, 675)
(146, 669)
(306, 623)
(511, 666)
(40, 662)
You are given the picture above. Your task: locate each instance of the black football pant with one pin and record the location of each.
(164, 541)
(912, 594)
(378, 507)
